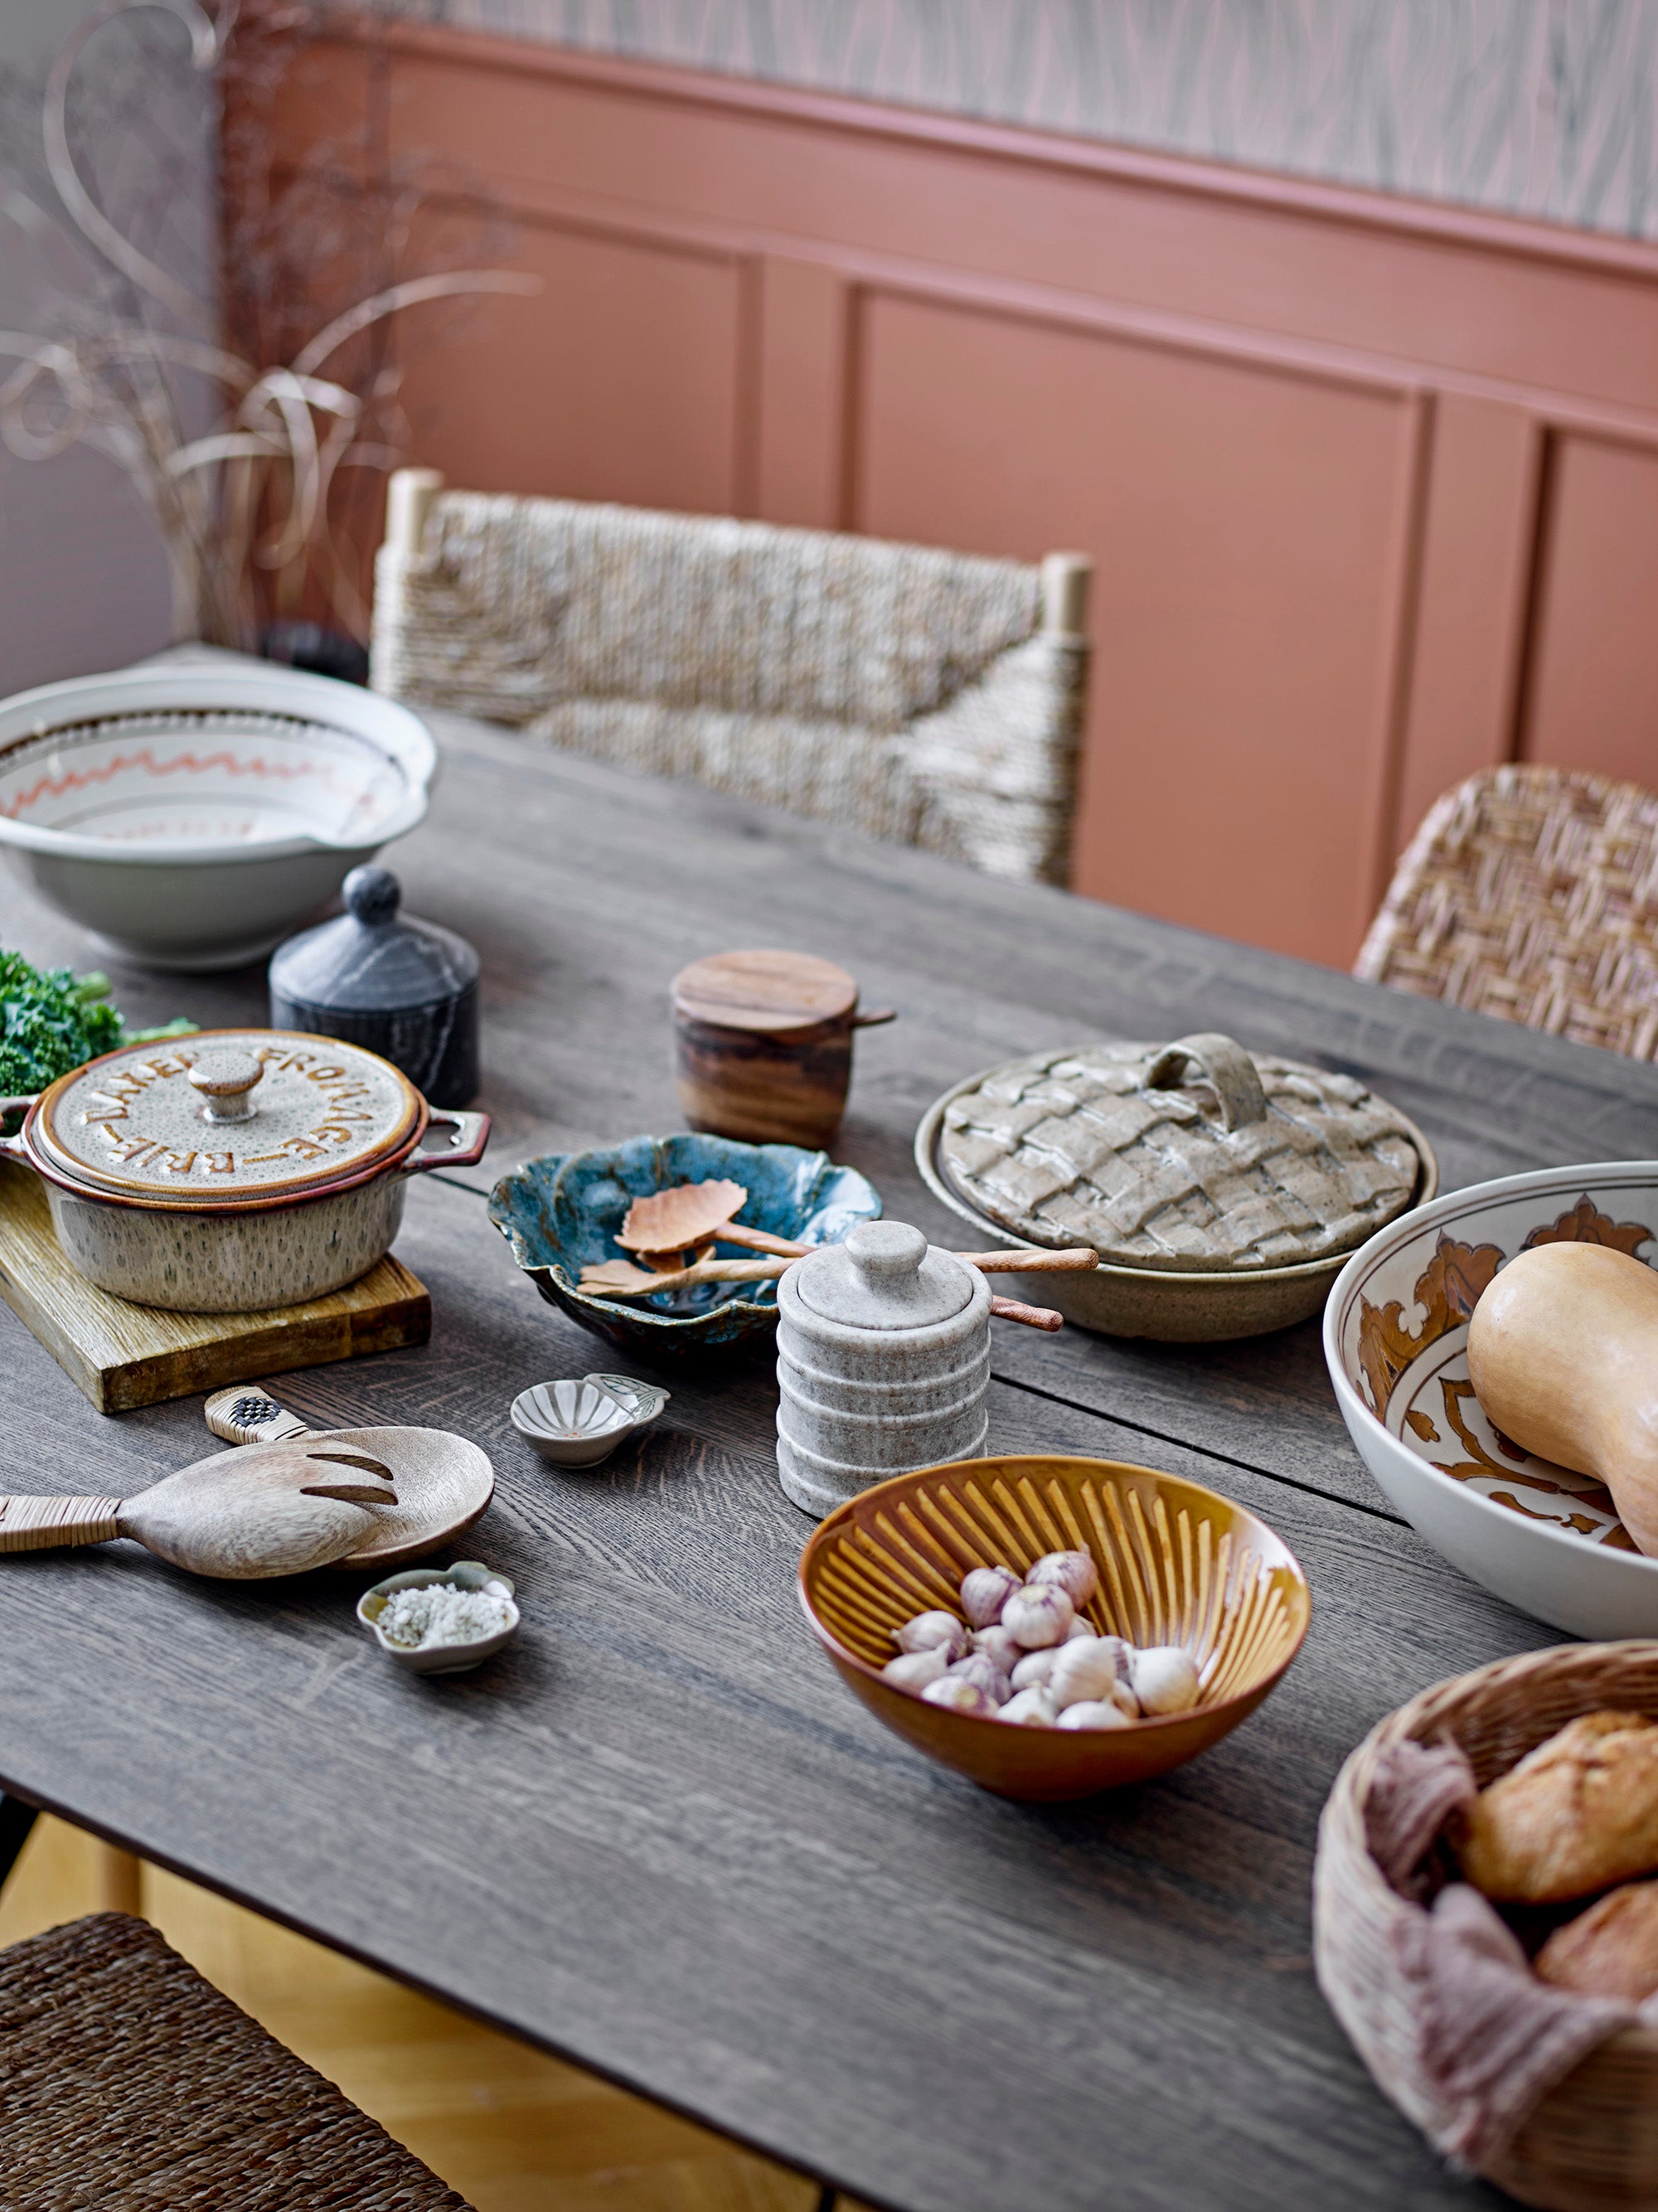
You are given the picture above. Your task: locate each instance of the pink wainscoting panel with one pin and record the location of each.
(618, 380)
(1593, 701)
(1372, 486)
(1261, 497)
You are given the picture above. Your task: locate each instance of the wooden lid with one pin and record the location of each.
(778, 992)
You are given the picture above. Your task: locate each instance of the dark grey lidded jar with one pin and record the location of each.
(405, 989)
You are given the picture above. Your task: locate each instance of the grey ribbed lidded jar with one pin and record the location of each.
(883, 1364)
(405, 989)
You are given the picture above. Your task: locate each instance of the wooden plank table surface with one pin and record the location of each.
(656, 1835)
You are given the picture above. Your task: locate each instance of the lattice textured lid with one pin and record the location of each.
(1195, 1156)
(231, 1115)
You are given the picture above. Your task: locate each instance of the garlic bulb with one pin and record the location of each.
(1165, 1679)
(1080, 1626)
(960, 1695)
(1038, 1614)
(928, 1629)
(1121, 1694)
(979, 1666)
(1103, 1715)
(984, 1593)
(1035, 1669)
(914, 1670)
(1032, 1708)
(1084, 1672)
(1074, 1572)
(997, 1643)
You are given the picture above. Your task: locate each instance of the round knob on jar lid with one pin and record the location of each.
(371, 895)
(886, 1252)
(225, 1081)
(884, 1275)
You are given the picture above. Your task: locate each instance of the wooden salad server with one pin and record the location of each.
(443, 1481)
(276, 1510)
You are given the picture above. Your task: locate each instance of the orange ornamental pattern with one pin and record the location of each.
(1445, 1294)
(56, 785)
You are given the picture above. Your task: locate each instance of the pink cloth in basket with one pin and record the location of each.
(1494, 2039)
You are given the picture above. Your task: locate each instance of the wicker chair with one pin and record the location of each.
(928, 698)
(127, 2082)
(1532, 894)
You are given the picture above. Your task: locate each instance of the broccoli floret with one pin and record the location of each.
(51, 1023)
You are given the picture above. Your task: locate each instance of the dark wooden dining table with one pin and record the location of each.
(656, 1835)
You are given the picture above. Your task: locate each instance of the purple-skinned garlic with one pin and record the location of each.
(914, 1670)
(979, 1666)
(1031, 1708)
(928, 1630)
(997, 1643)
(1165, 1679)
(1084, 1672)
(985, 1590)
(1035, 1669)
(960, 1695)
(1088, 1715)
(1038, 1614)
(1074, 1572)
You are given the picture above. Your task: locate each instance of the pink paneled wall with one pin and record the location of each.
(1371, 487)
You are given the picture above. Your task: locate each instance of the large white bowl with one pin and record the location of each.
(1395, 1339)
(192, 815)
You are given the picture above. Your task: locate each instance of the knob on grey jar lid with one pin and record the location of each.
(404, 988)
(884, 1275)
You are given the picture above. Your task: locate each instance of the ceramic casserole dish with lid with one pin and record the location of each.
(1223, 1189)
(232, 1170)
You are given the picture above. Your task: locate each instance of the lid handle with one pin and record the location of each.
(225, 1081)
(1234, 1074)
(886, 1252)
(371, 895)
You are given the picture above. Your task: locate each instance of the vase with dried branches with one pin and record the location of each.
(253, 398)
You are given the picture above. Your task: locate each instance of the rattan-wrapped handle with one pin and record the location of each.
(1234, 1074)
(38, 1524)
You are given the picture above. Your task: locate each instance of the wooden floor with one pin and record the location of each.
(511, 2131)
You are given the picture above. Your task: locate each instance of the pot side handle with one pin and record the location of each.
(14, 1145)
(466, 1151)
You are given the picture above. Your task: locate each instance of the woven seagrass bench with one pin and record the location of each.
(129, 2084)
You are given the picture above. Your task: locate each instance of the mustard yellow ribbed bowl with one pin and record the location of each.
(1177, 1563)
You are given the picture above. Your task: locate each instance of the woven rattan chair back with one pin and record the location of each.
(1531, 893)
(928, 698)
(126, 2080)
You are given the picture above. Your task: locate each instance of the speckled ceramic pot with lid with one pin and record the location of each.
(233, 1171)
(883, 1364)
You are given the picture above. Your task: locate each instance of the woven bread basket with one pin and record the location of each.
(1591, 2141)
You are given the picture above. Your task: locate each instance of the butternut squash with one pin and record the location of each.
(1562, 1353)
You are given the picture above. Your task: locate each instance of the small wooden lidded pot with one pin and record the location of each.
(763, 1045)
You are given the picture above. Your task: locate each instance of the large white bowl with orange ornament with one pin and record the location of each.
(192, 813)
(1396, 1342)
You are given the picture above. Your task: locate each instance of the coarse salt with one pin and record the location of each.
(441, 1612)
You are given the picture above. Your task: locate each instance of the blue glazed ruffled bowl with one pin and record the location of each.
(561, 1213)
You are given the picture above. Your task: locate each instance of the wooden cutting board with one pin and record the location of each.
(123, 1355)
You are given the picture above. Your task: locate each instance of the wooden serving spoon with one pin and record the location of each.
(443, 1481)
(276, 1510)
(622, 1278)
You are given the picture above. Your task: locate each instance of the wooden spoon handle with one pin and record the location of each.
(37, 1524)
(759, 1240)
(245, 1415)
(1032, 1316)
(1075, 1259)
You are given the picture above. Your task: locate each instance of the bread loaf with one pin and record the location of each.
(1577, 1815)
(1611, 1950)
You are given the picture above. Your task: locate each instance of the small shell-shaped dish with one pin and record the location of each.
(440, 1658)
(580, 1424)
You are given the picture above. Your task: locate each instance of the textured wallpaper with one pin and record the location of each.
(1537, 107)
